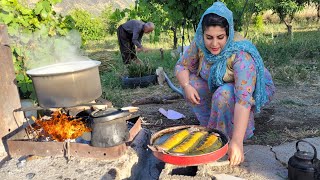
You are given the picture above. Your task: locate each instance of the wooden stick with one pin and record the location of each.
(156, 100)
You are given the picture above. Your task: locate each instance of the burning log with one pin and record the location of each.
(61, 127)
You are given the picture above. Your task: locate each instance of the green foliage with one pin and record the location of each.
(22, 23)
(111, 86)
(243, 10)
(106, 17)
(258, 22)
(114, 19)
(154, 12)
(91, 28)
(139, 70)
(171, 15)
(286, 10)
(292, 60)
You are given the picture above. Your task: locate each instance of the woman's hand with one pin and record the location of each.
(235, 151)
(143, 49)
(192, 94)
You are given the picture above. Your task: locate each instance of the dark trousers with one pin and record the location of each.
(127, 48)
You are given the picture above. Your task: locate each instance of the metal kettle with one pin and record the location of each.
(304, 165)
(109, 127)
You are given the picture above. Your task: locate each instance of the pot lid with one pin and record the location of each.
(62, 68)
(109, 114)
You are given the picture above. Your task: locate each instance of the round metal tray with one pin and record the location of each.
(189, 160)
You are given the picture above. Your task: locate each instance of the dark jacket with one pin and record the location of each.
(135, 27)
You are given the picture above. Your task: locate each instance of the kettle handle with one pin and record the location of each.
(314, 149)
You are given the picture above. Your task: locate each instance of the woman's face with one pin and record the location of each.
(215, 38)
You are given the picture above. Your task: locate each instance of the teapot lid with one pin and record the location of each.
(304, 155)
(109, 114)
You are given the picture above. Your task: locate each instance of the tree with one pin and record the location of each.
(181, 14)
(243, 11)
(175, 15)
(26, 27)
(286, 10)
(154, 12)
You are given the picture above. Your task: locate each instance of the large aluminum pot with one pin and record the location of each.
(66, 84)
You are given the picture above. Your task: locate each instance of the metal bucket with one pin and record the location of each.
(66, 84)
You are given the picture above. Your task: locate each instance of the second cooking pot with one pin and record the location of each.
(109, 127)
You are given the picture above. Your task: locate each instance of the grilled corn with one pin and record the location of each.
(211, 144)
(174, 140)
(208, 142)
(190, 143)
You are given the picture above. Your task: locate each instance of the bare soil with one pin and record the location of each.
(293, 114)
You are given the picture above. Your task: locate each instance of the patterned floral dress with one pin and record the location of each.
(216, 110)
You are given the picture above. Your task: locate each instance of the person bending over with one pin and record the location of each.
(130, 35)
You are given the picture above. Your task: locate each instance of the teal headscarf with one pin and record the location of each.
(219, 62)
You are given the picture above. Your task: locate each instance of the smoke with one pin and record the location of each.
(40, 50)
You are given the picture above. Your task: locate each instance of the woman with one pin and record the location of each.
(224, 79)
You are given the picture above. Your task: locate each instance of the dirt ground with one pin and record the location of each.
(294, 113)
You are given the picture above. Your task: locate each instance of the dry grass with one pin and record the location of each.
(302, 133)
(308, 13)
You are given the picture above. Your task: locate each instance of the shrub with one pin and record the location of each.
(139, 70)
(91, 28)
(258, 22)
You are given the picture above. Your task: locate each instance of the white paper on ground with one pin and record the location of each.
(171, 114)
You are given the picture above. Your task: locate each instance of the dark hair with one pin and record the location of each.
(215, 20)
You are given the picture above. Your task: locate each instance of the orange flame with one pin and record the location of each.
(61, 126)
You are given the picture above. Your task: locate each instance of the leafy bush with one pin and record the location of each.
(258, 22)
(112, 19)
(26, 26)
(139, 70)
(91, 28)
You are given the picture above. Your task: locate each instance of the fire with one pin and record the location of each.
(61, 126)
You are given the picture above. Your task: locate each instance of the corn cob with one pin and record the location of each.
(190, 144)
(211, 144)
(208, 142)
(174, 140)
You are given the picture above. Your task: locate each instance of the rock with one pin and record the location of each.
(21, 163)
(30, 175)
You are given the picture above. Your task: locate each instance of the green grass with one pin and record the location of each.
(290, 59)
(294, 60)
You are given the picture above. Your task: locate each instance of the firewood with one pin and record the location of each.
(157, 100)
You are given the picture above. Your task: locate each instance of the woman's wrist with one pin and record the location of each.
(184, 85)
(237, 140)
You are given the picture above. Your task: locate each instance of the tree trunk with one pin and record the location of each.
(289, 28)
(318, 14)
(189, 38)
(175, 39)
(194, 27)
